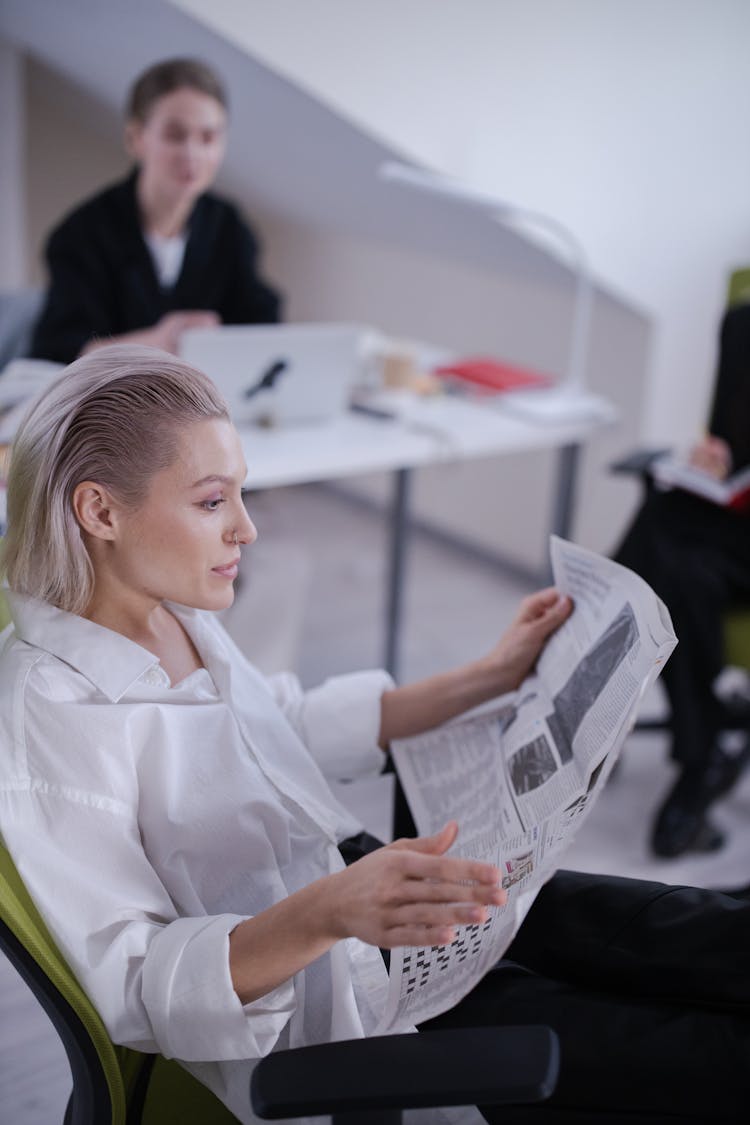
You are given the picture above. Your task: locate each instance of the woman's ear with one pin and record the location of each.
(95, 510)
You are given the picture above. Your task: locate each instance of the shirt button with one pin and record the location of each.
(155, 676)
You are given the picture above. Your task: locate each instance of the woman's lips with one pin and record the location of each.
(228, 571)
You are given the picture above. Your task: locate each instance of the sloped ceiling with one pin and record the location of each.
(290, 153)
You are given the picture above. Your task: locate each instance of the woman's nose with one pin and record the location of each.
(244, 531)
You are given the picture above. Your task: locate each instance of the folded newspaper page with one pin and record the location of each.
(520, 776)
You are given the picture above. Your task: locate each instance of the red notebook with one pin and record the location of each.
(492, 375)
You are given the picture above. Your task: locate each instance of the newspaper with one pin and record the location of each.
(520, 776)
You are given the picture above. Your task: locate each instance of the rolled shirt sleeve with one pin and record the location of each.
(339, 721)
(186, 973)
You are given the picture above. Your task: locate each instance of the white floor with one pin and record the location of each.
(312, 596)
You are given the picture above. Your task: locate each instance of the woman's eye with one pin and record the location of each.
(213, 505)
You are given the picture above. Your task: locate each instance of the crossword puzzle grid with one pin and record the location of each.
(418, 964)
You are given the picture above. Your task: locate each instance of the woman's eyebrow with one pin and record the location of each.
(217, 478)
(213, 478)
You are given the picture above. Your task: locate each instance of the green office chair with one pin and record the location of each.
(360, 1082)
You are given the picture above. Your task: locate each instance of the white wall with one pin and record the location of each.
(73, 146)
(626, 120)
(12, 138)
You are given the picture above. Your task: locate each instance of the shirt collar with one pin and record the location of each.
(111, 662)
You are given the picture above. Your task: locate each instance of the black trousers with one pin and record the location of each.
(648, 988)
(696, 556)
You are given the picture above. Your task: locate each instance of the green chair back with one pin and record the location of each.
(738, 291)
(737, 637)
(22, 918)
(173, 1096)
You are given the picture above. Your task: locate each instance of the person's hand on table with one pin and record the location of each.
(165, 334)
(167, 331)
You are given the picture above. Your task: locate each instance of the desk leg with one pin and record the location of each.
(563, 508)
(398, 536)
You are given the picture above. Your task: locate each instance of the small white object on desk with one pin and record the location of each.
(557, 404)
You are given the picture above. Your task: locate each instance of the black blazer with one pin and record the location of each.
(103, 282)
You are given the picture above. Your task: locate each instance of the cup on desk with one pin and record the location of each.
(391, 365)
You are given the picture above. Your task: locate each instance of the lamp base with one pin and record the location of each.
(558, 405)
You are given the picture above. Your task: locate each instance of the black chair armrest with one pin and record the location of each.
(461, 1066)
(638, 462)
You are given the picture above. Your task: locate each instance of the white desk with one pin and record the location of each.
(421, 431)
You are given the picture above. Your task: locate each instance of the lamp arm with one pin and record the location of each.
(575, 374)
(510, 214)
(569, 400)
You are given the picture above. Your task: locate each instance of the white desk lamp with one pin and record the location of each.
(569, 401)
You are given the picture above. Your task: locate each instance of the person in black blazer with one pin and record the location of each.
(696, 555)
(156, 253)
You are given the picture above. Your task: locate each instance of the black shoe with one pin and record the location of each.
(679, 829)
(722, 770)
(681, 824)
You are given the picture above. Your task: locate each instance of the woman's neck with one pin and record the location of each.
(162, 214)
(159, 632)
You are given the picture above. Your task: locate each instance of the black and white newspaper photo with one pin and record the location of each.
(519, 776)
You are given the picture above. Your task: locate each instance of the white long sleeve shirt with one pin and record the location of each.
(147, 820)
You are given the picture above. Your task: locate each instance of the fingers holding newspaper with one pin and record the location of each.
(516, 653)
(411, 893)
(411, 708)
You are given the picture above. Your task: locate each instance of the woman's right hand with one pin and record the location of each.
(167, 331)
(407, 893)
(165, 334)
(411, 893)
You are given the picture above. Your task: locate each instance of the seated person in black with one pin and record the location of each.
(156, 253)
(696, 555)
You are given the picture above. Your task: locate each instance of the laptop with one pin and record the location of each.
(279, 374)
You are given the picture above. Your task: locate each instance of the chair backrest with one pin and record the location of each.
(112, 1085)
(738, 289)
(99, 1075)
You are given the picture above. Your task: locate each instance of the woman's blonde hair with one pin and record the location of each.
(114, 417)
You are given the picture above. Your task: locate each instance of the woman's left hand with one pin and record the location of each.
(518, 649)
(420, 706)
